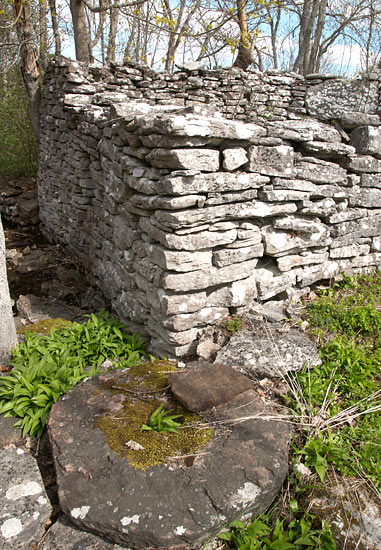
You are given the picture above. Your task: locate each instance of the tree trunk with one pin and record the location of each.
(31, 74)
(81, 32)
(8, 337)
(245, 54)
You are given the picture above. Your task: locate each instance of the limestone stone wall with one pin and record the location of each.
(182, 214)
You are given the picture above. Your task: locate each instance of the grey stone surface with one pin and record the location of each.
(269, 352)
(25, 509)
(9, 435)
(367, 140)
(63, 535)
(167, 506)
(353, 514)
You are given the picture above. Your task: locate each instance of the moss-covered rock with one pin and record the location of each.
(146, 390)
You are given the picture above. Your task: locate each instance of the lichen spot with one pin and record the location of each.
(23, 490)
(246, 494)
(180, 530)
(11, 528)
(127, 520)
(80, 513)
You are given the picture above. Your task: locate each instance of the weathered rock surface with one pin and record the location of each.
(25, 509)
(353, 515)
(210, 385)
(268, 353)
(169, 506)
(35, 308)
(63, 535)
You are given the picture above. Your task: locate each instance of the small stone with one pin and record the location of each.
(234, 157)
(211, 385)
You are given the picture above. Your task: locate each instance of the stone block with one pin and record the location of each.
(363, 163)
(319, 171)
(272, 161)
(205, 160)
(234, 255)
(285, 263)
(176, 260)
(366, 197)
(234, 157)
(194, 241)
(306, 129)
(25, 508)
(324, 150)
(349, 251)
(367, 140)
(204, 278)
(210, 385)
(218, 182)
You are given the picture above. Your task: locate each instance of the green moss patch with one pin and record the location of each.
(45, 326)
(147, 389)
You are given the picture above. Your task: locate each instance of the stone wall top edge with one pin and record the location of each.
(310, 79)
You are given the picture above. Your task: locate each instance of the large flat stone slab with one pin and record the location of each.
(269, 353)
(179, 503)
(25, 509)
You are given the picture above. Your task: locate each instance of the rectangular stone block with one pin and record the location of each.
(366, 140)
(254, 209)
(176, 260)
(285, 263)
(205, 278)
(218, 182)
(349, 251)
(271, 161)
(236, 255)
(363, 163)
(319, 171)
(194, 241)
(366, 197)
(205, 160)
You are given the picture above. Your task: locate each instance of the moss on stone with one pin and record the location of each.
(146, 381)
(45, 326)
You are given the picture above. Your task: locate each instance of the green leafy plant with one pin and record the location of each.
(46, 367)
(234, 324)
(162, 420)
(297, 534)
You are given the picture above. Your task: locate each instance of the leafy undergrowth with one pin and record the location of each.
(337, 412)
(46, 367)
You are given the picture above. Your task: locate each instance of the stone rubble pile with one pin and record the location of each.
(183, 216)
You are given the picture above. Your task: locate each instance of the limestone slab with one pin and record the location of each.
(25, 508)
(204, 278)
(272, 161)
(207, 160)
(269, 354)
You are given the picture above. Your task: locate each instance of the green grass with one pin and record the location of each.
(337, 411)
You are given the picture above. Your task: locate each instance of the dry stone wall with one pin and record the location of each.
(182, 214)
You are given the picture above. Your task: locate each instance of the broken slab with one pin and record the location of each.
(171, 505)
(210, 385)
(25, 508)
(270, 353)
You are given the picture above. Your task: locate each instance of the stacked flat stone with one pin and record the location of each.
(183, 216)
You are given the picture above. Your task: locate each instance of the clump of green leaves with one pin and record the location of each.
(297, 534)
(343, 394)
(162, 420)
(234, 324)
(46, 367)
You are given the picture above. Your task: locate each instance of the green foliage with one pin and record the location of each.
(18, 153)
(297, 534)
(46, 367)
(234, 324)
(343, 393)
(162, 420)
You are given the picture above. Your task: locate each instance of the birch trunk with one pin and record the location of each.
(8, 337)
